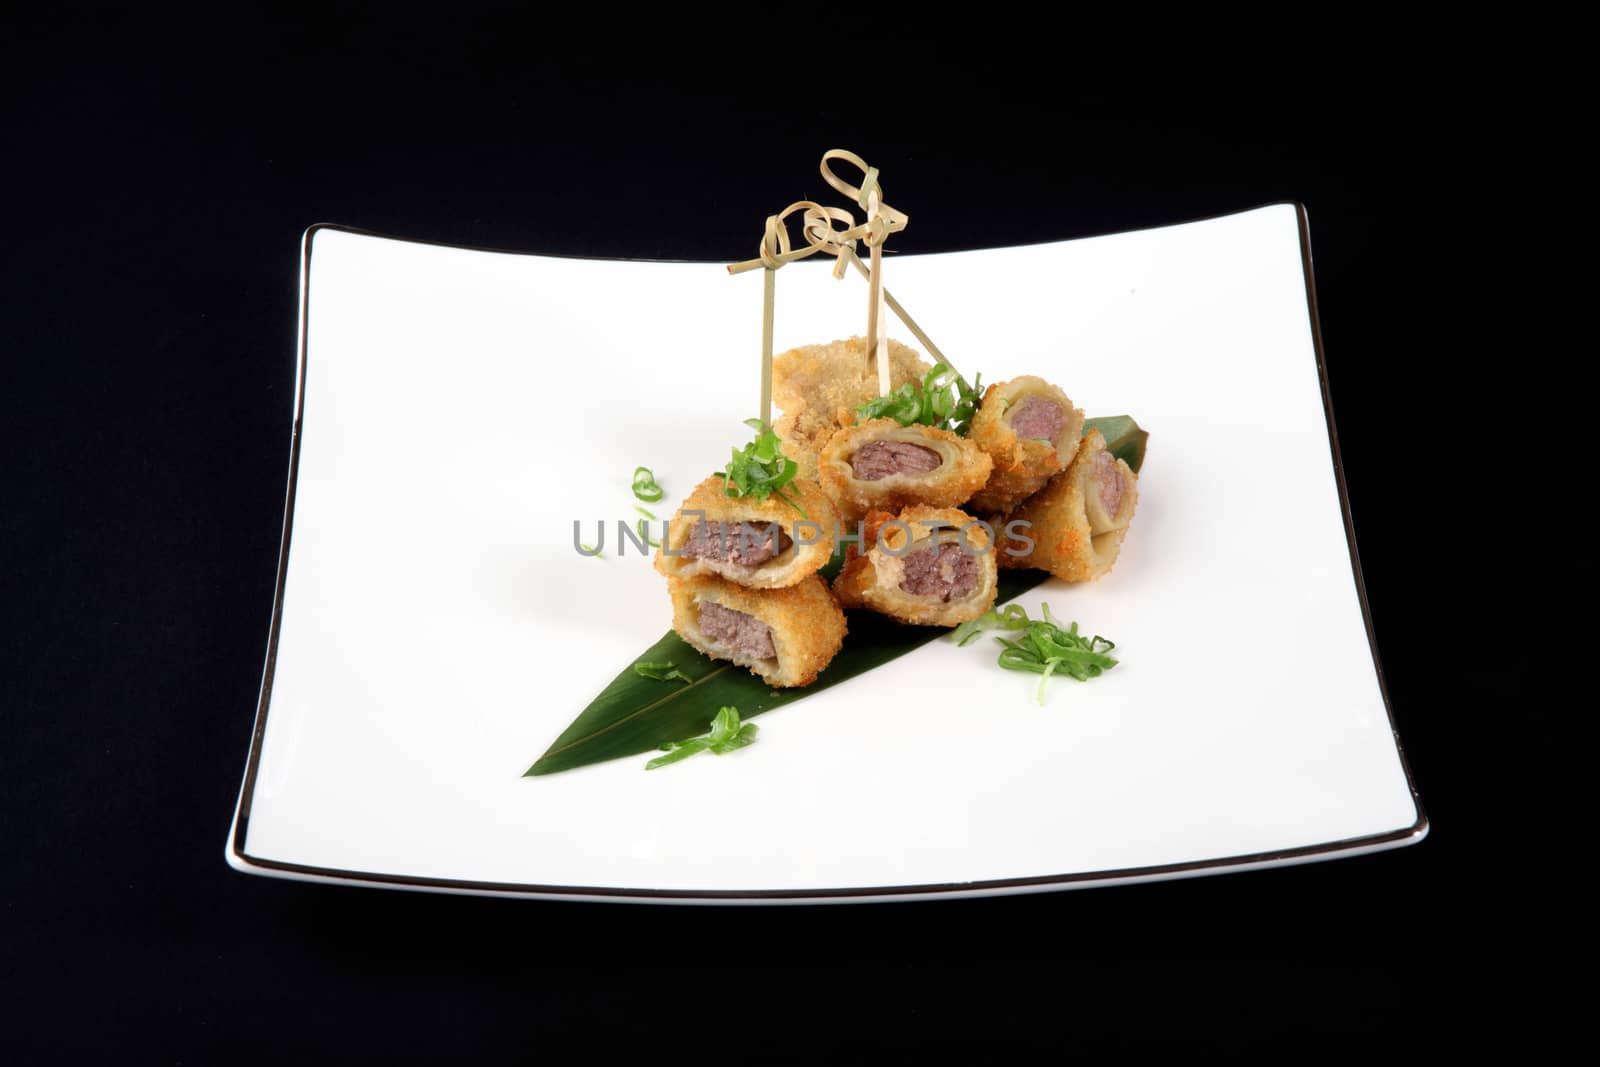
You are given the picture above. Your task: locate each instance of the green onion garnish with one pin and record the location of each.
(1011, 617)
(1043, 647)
(661, 672)
(644, 534)
(590, 550)
(942, 400)
(725, 736)
(645, 487)
(760, 469)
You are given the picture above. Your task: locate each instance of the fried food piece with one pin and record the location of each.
(931, 567)
(765, 544)
(883, 466)
(1077, 521)
(786, 636)
(1031, 430)
(818, 388)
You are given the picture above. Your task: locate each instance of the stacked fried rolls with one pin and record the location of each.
(764, 544)
(880, 465)
(927, 566)
(1030, 429)
(1078, 520)
(743, 577)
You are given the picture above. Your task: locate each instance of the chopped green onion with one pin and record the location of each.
(646, 512)
(645, 487)
(760, 469)
(941, 400)
(725, 736)
(1049, 669)
(644, 534)
(1043, 646)
(677, 750)
(661, 672)
(590, 550)
(725, 725)
(1011, 617)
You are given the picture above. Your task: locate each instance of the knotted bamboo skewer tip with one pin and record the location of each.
(817, 230)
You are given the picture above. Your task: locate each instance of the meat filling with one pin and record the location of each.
(879, 459)
(738, 631)
(1108, 479)
(1038, 417)
(748, 544)
(944, 571)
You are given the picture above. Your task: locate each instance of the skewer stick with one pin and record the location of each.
(882, 220)
(821, 235)
(877, 338)
(775, 251)
(768, 288)
(904, 316)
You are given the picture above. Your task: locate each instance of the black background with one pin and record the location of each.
(159, 178)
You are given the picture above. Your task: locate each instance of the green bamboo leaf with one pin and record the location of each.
(1124, 438)
(637, 714)
(634, 714)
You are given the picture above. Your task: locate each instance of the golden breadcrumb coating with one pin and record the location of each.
(818, 388)
(1074, 537)
(807, 625)
(792, 565)
(872, 578)
(1021, 465)
(963, 471)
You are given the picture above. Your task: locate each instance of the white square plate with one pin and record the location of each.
(435, 629)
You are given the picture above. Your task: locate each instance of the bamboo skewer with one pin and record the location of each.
(776, 251)
(820, 235)
(882, 220)
(847, 253)
(877, 342)
(768, 289)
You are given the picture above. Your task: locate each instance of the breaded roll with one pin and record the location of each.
(818, 388)
(765, 544)
(1077, 521)
(1031, 430)
(937, 569)
(786, 636)
(883, 466)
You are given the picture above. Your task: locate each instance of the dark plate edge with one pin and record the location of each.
(241, 815)
(241, 861)
(1420, 826)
